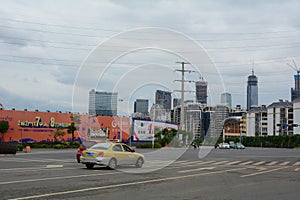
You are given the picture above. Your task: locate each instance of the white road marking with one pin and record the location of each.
(296, 164)
(284, 163)
(297, 169)
(190, 162)
(56, 178)
(54, 166)
(272, 163)
(199, 169)
(234, 162)
(190, 165)
(259, 163)
(219, 163)
(246, 163)
(40, 169)
(181, 161)
(263, 172)
(126, 184)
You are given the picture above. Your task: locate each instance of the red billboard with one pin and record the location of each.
(39, 126)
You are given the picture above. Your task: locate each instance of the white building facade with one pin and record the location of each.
(296, 113)
(257, 122)
(280, 118)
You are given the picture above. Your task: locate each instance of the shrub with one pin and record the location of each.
(58, 146)
(7, 149)
(148, 145)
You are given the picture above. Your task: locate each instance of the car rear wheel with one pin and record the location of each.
(139, 163)
(89, 166)
(112, 164)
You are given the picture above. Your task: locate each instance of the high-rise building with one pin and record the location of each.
(163, 98)
(295, 92)
(252, 91)
(176, 102)
(103, 103)
(226, 99)
(201, 92)
(141, 106)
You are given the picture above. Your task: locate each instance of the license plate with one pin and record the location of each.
(89, 154)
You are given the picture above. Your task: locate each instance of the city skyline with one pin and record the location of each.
(42, 53)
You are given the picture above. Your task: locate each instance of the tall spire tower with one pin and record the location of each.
(252, 90)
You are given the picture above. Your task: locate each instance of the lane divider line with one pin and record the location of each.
(263, 172)
(125, 184)
(198, 169)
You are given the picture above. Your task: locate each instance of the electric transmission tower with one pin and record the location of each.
(182, 91)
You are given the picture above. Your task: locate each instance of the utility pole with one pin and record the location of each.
(182, 70)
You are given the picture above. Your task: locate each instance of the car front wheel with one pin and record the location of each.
(89, 166)
(139, 163)
(112, 163)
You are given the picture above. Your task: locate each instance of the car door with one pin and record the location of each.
(119, 154)
(130, 156)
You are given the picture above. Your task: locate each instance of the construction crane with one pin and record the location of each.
(295, 93)
(294, 67)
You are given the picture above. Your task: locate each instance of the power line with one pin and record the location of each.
(117, 31)
(143, 39)
(229, 63)
(93, 45)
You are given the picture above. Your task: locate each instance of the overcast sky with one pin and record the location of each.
(45, 45)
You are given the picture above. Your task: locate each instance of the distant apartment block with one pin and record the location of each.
(163, 98)
(141, 106)
(257, 121)
(176, 102)
(201, 92)
(103, 103)
(280, 118)
(226, 99)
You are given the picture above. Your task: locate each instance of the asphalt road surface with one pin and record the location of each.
(252, 173)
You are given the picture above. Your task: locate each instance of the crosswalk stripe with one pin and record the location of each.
(221, 162)
(284, 163)
(272, 163)
(197, 169)
(246, 163)
(259, 163)
(207, 162)
(198, 161)
(181, 161)
(234, 162)
(296, 164)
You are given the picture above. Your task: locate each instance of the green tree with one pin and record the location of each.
(165, 136)
(74, 125)
(71, 130)
(58, 133)
(4, 126)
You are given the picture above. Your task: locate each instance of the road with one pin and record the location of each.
(252, 173)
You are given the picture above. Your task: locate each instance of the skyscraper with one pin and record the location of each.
(103, 103)
(176, 102)
(226, 99)
(252, 91)
(163, 98)
(141, 106)
(201, 92)
(295, 92)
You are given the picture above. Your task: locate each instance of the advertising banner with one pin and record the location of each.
(144, 130)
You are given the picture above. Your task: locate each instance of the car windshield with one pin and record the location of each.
(88, 144)
(101, 146)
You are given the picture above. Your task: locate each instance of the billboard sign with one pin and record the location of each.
(144, 130)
